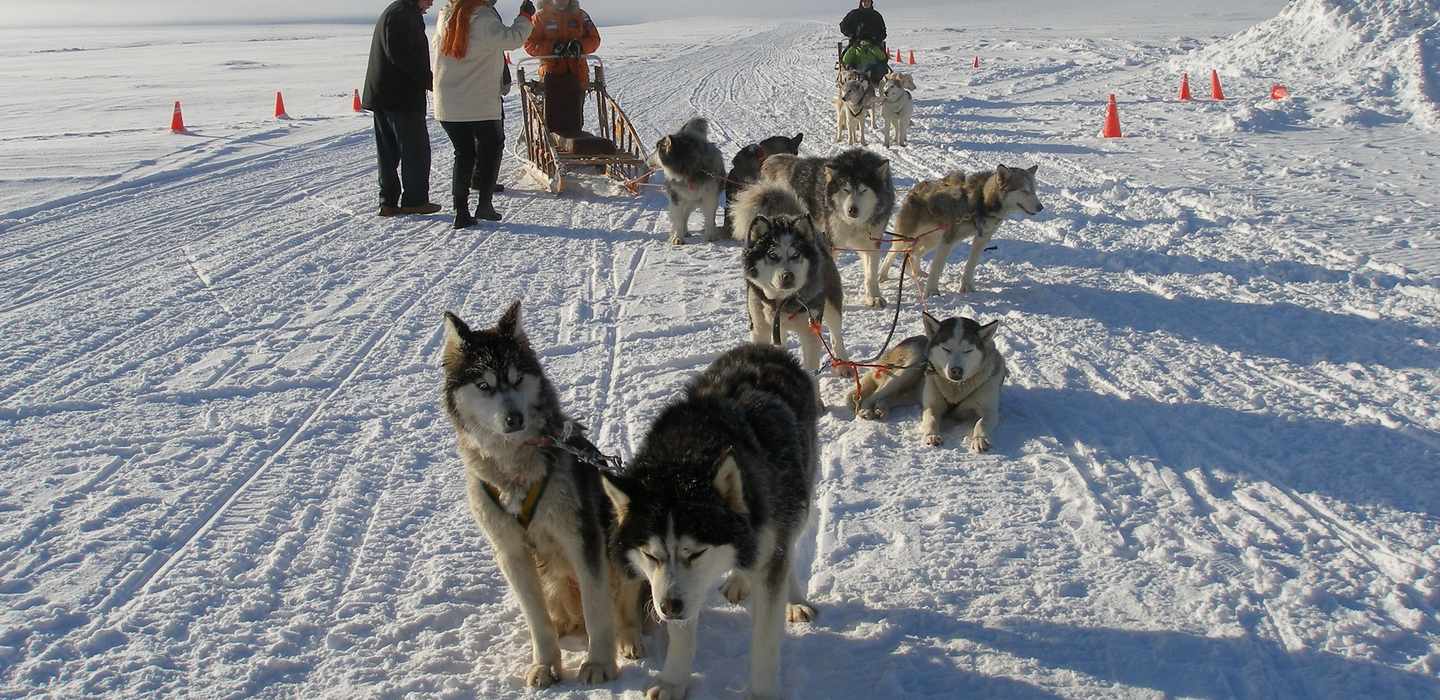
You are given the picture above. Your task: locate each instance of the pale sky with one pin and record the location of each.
(93, 12)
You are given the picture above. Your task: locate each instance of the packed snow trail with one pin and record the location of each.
(227, 473)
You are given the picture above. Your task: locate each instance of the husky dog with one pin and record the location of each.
(850, 196)
(944, 212)
(723, 482)
(961, 371)
(790, 277)
(693, 170)
(896, 105)
(745, 170)
(856, 98)
(543, 511)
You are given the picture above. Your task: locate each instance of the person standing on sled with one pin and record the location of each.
(470, 42)
(563, 30)
(865, 29)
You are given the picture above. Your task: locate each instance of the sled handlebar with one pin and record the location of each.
(535, 59)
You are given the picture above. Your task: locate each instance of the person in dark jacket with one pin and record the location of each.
(395, 85)
(865, 29)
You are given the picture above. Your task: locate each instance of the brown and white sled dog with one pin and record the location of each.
(959, 207)
(544, 512)
(789, 272)
(896, 106)
(855, 99)
(849, 196)
(724, 481)
(954, 368)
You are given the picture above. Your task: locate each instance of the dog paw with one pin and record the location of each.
(632, 649)
(967, 288)
(979, 443)
(541, 676)
(872, 413)
(736, 589)
(595, 672)
(853, 400)
(800, 612)
(875, 302)
(677, 240)
(666, 691)
(934, 439)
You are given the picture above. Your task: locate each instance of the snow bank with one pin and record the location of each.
(1377, 57)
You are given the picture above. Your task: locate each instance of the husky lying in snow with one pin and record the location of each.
(896, 106)
(789, 272)
(723, 482)
(693, 169)
(544, 512)
(960, 207)
(955, 367)
(745, 170)
(849, 196)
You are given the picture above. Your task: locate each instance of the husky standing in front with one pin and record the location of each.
(956, 368)
(723, 482)
(850, 196)
(694, 168)
(790, 276)
(544, 512)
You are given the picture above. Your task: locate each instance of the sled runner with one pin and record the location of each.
(614, 149)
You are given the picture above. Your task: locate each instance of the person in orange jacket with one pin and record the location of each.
(563, 29)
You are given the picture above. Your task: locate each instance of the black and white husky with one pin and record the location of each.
(954, 368)
(850, 196)
(694, 169)
(723, 482)
(789, 272)
(543, 511)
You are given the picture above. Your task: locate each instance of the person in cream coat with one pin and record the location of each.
(470, 42)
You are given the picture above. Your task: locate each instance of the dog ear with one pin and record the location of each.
(509, 324)
(805, 226)
(1032, 169)
(455, 334)
(1002, 171)
(664, 145)
(729, 483)
(759, 227)
(618, 498)
(932, 324)
(795, 142)
(987, 331)
(884, 170)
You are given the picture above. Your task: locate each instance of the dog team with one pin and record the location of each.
(722, 485)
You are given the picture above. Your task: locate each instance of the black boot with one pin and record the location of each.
(486, 211)
(464, 220)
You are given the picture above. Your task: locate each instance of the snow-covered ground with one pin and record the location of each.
(225, 472)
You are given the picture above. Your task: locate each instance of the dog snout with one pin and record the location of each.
(787, 279)
(955, 373)
(673, 608)
(514, 421)
(853, 212)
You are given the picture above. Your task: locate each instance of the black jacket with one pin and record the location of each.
(399, 72)
(864, 23)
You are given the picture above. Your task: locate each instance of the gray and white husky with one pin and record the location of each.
(789, 272)
(694, 170)
(896, 106)
(544, 512)
(849, 196)
(958, 207)
(723, 482)
(954, 368)
(854, 101)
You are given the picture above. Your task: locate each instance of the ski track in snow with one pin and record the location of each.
(227, 473)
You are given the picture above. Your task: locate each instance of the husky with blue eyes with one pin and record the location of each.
(723, 482)
(953, 369)
(542, 508)
(790, 277)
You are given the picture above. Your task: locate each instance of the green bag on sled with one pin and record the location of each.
(863, 54)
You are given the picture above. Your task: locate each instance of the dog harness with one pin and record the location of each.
(532, 497)
(955, 393)
(792, 306)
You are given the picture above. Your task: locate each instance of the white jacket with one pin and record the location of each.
(468, 89)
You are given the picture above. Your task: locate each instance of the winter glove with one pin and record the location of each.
(575, 49)
(559, 48)
(527, 9)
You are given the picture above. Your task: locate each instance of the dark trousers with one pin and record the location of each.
(564, 103)
(402, 141)
(478, 148)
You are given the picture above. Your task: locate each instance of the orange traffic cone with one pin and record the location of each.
(912, 57)
(1185, 87)
(897, 57)
(1112, 121)
(280, 106)
(1215, 91)
(355, 105)
(177, 121)
(977, 62)
(1279, 92)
